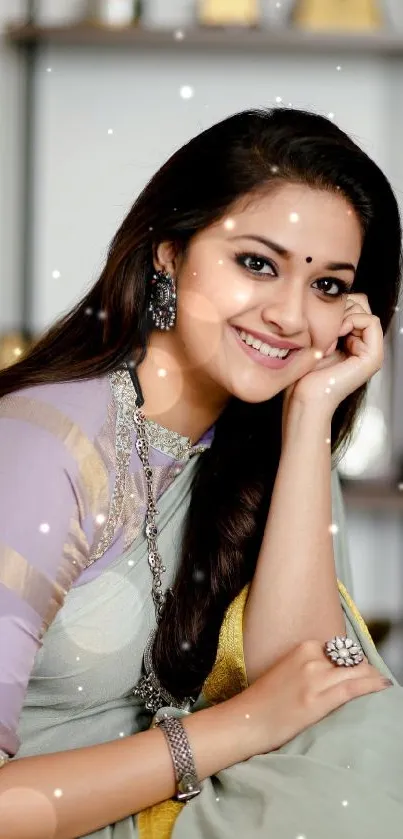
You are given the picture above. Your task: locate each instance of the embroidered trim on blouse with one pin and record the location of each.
(166, 441)
(124, 396)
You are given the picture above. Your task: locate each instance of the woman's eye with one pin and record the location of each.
(339, 287)
(256, 264)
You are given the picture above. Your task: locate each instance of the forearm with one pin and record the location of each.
(293, 596)
(103, 784)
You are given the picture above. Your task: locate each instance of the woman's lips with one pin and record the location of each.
(259, 358)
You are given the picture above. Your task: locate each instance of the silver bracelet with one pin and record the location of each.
(187, 782)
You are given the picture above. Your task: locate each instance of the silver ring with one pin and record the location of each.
(344, 652)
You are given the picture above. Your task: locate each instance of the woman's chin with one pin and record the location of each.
(253, 392)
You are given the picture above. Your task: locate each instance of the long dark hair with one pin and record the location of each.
(234, 480)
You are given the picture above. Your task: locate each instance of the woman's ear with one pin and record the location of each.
(165, 258)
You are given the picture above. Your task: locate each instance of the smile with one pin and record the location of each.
(262, 353)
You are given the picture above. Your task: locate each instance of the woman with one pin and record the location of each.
(166, 468)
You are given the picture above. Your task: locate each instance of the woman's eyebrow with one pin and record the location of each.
(274, 246)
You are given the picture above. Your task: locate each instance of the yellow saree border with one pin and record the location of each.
(227, 678)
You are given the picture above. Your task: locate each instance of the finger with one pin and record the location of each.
(360, 300)
(348, 689)
(357, 320)
(356, 307)
(355, 345)
(364, 326)
(338, 674)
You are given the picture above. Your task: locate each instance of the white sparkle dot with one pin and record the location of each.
(79, 688)
(247, 716)
(318, 354)
(221, 262)
(179, 35)
(110, 130)
(300, 836)
(328, 441)
(344, 803)
(130, 562)
(274, 170)
(48, 69)
(328, 389)
(162, 373)
(294, 217)
(77, 658)
(217, 798)
(17, 351)
(44, 527)
(278, 99)
(229, 224)
(397, 308)
(278, 5)
(332, 381)
(338, 67)
(121, 734)
(186, 91)
(185, 645)
(348, 766)
(331, 115)
(132, 495)
(101, 314)
(334, 528)
(195, 273)
(401, 330)
(100, 518)
(88, 310)
(56, 274)
(58, 793)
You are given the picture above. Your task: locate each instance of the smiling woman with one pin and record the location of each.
(168, 479)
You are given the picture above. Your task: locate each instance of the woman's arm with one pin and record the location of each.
(76, 792)
(293, 596)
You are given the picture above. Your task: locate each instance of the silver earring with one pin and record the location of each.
(162, 305)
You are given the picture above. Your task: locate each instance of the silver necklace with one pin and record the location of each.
(149, 688)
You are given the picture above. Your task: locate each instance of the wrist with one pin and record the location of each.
(307, 418)
(220, 736)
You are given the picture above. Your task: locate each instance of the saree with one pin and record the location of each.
(342, 777)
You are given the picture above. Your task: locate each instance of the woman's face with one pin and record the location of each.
(278, 267)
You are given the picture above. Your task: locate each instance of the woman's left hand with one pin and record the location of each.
(339, 373)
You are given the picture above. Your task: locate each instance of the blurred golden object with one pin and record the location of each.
(350, 15)
(12, 347)
(228, 12)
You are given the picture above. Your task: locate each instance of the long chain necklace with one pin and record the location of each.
(149, 688)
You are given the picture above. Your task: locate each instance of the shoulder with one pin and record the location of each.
(52, 430)
(51, 406)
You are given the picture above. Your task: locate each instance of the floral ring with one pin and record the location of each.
(343, 651)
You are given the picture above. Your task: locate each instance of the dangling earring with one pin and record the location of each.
(162, 306)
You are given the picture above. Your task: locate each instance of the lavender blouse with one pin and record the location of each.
(72, 500)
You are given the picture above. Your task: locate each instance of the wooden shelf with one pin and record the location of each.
(372, 496)
(382, 42)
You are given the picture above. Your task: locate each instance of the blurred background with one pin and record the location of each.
(95, 95)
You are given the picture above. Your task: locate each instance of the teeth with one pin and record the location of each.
(265, 349)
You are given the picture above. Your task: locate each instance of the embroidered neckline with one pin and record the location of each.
(163, 439)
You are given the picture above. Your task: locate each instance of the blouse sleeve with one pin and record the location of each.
(42, 547)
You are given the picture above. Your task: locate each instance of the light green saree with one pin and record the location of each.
(340, 778)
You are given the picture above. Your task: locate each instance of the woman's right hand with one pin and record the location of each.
(302, 688)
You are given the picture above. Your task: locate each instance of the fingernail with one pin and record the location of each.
(387, 682)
